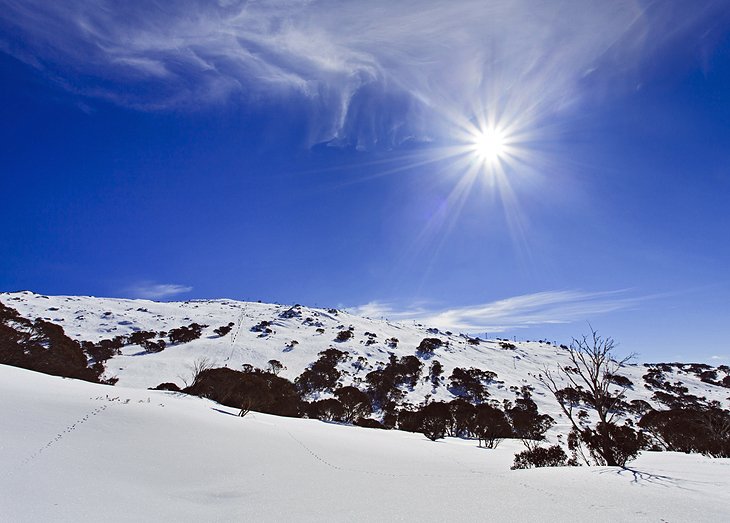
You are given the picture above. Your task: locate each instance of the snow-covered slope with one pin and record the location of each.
(313, 330)
(77, 451)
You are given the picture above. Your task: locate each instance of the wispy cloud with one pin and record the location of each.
(376, 72)
(154, 291)
(511, 313)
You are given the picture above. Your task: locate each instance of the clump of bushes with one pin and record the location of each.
(553, 456)
(701, 430)
(383, 383)
(256, 390)
(471, 383)
(344, 335)
(323, 374)
(263, 327)
(428, 346)
(223, 329)
(186, 334)
(43, 347)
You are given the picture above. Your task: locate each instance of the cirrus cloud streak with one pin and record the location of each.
(522, 311)
(369, 73)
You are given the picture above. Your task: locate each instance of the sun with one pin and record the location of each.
(489, 145)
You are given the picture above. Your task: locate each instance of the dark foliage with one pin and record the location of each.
(327, 410)
(223, 329)
(186, 334)
(461, 423)
(153, 346)
(612, 444)
(139, 337)
(293, 312)
(355, 403)
(42, 346)
(528, 424)
(553, 456)
(621, 381)
(167, 386)
(369, 423)
(343, 336)
(705, 431)
(323, 374)
(275, 367)
(258, 390)
(263, 327)
(428, 346)
(490, 425)
(103, 350)
(435, 373)
(434, 419)
(410, 420)
(471, 383)
(592, 373)
(383, 383)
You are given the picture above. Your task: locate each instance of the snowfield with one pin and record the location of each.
(314, 330)
(77, 451)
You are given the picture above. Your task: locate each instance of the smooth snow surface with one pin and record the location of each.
(76, 451)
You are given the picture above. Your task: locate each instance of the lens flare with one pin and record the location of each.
(489, 145)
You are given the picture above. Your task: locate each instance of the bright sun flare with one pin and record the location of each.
(489, 145)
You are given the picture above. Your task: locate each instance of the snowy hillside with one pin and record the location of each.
(78, 451)
(297, 334)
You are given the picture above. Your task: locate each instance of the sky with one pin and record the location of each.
(520, 169)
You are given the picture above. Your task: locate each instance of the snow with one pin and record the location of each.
(90, 318)
(77, 451)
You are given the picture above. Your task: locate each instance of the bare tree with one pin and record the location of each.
(590, 378)
(200, 365)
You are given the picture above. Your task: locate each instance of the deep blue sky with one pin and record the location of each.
(129, 169)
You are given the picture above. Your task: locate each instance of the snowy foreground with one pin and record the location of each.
(77, 451)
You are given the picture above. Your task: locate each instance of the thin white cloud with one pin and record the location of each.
(511, 313)
(369, 72)
(154, 291)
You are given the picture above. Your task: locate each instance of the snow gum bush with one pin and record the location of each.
(553, 456)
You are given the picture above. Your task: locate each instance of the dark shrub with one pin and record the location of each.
(275, 367)
(612, 444)
(435, 373)
(434, 419)
(705, 431)
(323, 374)
(462, 418)
(490, 425)
(153, 346)
(258, 390)
(369, 423)
(410, 420)
(167, 386)
(44, 347)
(263, 327)
(139, 337)
(343, 336)
(383, 383)
(553, 456)
(471, 383)
(223, 329)
(355, 403)
(186, 334)
(327, 410)
(621, 381)
(527, 423)
(427, 346)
